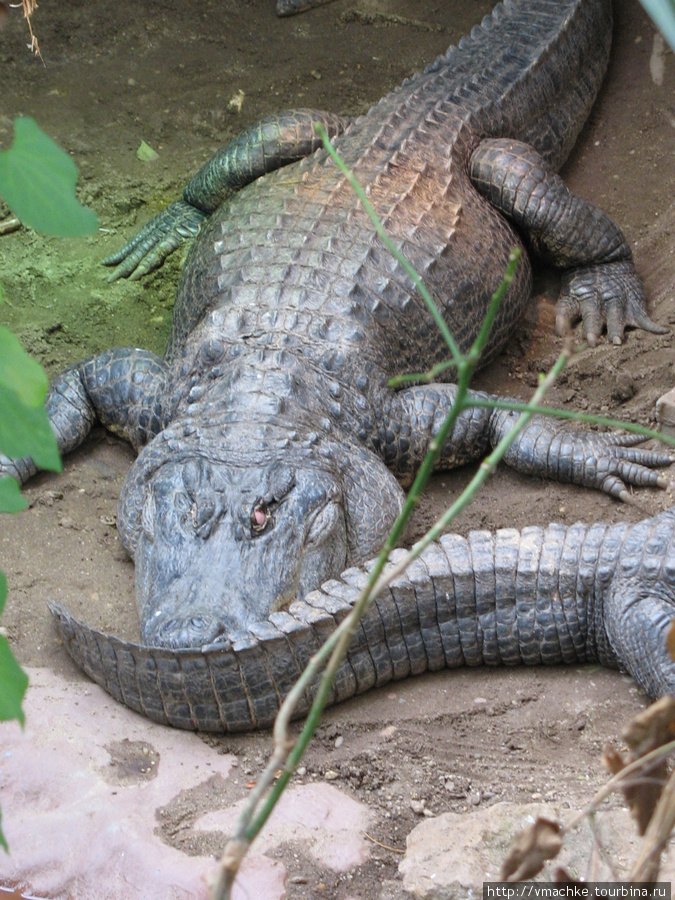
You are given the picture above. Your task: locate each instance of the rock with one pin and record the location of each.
(449, 857)
(665, 411)
(624, 387)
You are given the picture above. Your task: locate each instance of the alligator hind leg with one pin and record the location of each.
(273, 142)
(638, 613)
(600, 284)
(121, 389)
(544, 448)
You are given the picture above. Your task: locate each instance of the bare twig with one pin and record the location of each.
(646, 866)
(615, 782)
(29, 7)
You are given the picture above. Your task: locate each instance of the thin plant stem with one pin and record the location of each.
(572, 416)
(287, 752)
(455, 352)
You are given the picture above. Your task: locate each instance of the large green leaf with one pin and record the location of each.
(25, 431)
(3, 842)
(24, 426)
(14, 682)
(11, 500)
(20, 371)
(37, 181)
(13, 679)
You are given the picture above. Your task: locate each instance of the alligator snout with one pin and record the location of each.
(176, 632)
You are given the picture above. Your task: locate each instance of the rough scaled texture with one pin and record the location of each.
(541, 596)
(271, 444)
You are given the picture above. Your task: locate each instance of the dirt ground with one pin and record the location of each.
(164, 71)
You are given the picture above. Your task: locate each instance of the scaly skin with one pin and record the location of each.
(271, 445)
(576, 594)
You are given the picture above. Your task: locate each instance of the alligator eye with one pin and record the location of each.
(260, 517)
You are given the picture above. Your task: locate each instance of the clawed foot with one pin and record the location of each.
(611, 463)
(606, 295)
(148, 249)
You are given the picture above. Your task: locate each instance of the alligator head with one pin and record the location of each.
(220, 543)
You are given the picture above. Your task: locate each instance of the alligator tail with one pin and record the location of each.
(510, 597)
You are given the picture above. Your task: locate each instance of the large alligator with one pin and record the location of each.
(272, 447)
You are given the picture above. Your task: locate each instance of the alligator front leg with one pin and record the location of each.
(121, 389)
(273, 142)
(600, 284)
(604, 461)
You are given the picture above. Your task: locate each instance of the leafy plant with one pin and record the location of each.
(37, 181)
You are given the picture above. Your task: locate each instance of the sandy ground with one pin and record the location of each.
(164, 72)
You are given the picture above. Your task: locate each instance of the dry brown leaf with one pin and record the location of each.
(670, 640)
(647, 731)
(651, 728)
(534, 845)
(646, 866)
(613, 761)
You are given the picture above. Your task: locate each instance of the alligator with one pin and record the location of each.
(271, 448)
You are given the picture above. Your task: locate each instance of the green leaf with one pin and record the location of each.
(37, 181)
(145, 153)
(24, 425)
(11, 500)
(25, 431)
(14, 682)
(3, 842)
(20, 372)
